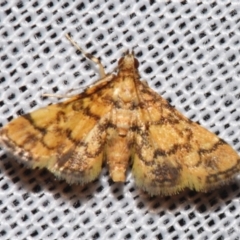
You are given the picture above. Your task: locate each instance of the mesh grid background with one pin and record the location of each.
(189, 53)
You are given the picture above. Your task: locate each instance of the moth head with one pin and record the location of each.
(128, 61)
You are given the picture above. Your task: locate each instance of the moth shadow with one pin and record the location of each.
(201, 202)
(116, 188)
(41, 180)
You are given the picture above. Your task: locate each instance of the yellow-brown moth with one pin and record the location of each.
(121, 120)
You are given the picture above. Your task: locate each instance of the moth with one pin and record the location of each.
(120, 120)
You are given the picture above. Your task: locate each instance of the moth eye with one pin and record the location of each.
(136, 63)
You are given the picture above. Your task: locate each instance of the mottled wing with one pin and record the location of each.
(172, 153)
(66, 138)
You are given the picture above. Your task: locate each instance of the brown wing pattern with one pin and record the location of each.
(67, 138)
(172, 153)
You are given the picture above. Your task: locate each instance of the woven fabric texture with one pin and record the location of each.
(189, 52)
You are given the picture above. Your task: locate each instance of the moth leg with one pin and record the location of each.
(89, 56)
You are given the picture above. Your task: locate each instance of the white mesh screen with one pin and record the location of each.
(189, 53)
